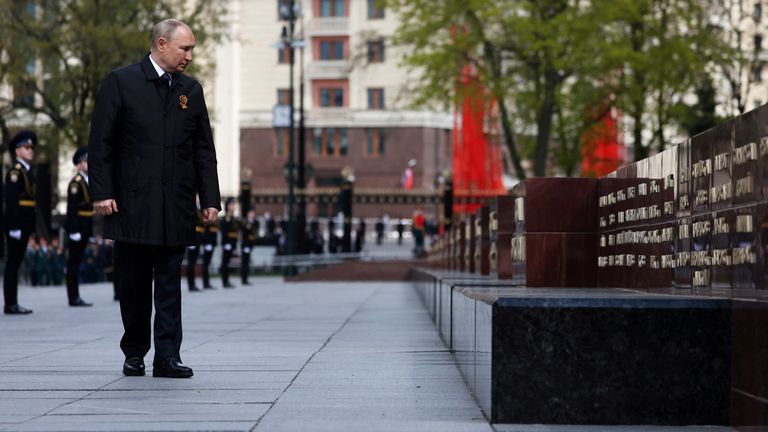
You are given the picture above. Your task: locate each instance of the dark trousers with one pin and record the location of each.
(226, 256)
(207, 257)
(245, 266)
(76, 252)
(16, 249)
(192, 254)
(136, 264)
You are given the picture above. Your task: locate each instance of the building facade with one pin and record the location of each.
(355, 105)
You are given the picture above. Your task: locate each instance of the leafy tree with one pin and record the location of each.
(552, 64)
(55, 53)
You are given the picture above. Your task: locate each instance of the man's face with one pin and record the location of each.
(25, 152)
(175, 55)
(83, 166)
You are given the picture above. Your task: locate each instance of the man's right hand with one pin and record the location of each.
(105, 207)
(15, 234)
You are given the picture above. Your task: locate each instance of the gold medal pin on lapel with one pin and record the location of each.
(183, 99)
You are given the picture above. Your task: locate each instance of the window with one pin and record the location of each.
(331, 97)
(332, 8)
(332, 50)
(281, 142)
(757, 72)
(758, 11)
(376, 51)
(375, 145)
(375, 98)
(283, 97)
(284, 55)
(758, 44)
(375, 9)
(330, 141)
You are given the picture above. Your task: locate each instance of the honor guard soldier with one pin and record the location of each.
(230, 230)
(20, 218)
(210, 240)
(79, 224)
(250, 234)
(193, 252)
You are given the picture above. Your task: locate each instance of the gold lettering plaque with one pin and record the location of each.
(684, 203)
(721, 226)
(721, 161)
(701, 168)
(744, 224)
(744, 185)
(745, 153)
(701, 278)
(744, 255)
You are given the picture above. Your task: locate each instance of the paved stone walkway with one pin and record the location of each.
(268, 357)
(274, 356)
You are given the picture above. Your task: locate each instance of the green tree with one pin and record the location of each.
(55, 53)
(553, 64)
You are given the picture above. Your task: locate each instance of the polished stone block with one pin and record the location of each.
(504, 269)
(684, 190)
(482, 241)
(470, 244)
(723, 229)
(612, 359)
(701, 254)
(575, 201)
(751, 132)
(750, 363)
(555, 259)
(683, 272)
(721, 192)
(701, 170)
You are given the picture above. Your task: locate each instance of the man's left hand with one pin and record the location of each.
(210, 216)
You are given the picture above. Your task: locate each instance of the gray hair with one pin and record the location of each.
(165, 29)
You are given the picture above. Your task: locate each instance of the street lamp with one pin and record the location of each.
(289, 10)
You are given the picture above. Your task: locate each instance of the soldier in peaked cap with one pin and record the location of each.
(79, 224)
(20, 189)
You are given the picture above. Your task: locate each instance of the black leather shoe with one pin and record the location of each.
(195, 289)
(228, 285)
(208, 287)
(171, 368)
(133, 366)
(245, 283)
(79, 302)
(16, 310)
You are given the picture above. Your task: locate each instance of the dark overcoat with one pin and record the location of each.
(151, 149)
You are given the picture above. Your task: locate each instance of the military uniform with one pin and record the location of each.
(193, 252)
(250, 234)
(230, 230)
(210, 240)
(79, 225)
(20, 190)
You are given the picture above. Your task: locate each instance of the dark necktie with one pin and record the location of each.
(166, 79)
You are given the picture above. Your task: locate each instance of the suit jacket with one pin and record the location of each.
(79, 208)
(20, 190)
(151, 149)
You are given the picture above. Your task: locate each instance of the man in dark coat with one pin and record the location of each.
(20, 189)
(79, 224)
(150, 153)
